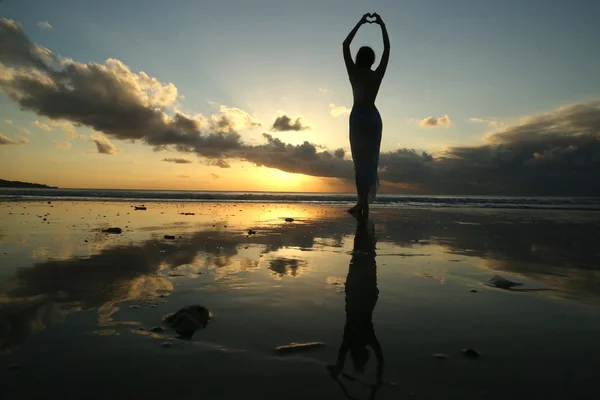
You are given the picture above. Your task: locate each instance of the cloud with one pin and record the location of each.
(237, 118)
(104, 145)
(8, 122)
(44, 25)
(62, 145)
(26, 131)
(221, 163)
(177, 160)
(215, 176)
(321, 90)
(283, 123)
(67, 127)
(184, 176)
(433, 121)
(489, 121)
(4, 140)
(43, 127)
(555, 153)
(338, 111)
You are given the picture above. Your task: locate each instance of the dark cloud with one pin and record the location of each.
(556, 153)
(177, 160)
(284, 123)
(104, 145)
(5, 140)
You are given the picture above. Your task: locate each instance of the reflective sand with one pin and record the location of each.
(73, 300)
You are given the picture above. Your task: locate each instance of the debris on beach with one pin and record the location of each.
(503, 283)
(471, 353)
(187, 213)
(299, 347)
(113, 230)
(188, 320)
(170, 237)
(142, 208)
(288, 219)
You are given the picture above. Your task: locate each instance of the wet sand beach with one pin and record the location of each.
(81, 309)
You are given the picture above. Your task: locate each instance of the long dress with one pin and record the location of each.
(366, 127)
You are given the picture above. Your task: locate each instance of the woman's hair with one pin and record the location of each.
(365, 57)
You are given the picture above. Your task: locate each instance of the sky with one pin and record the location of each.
(479, 97)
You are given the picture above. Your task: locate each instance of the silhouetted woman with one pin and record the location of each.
(361, 297)
(365, 121)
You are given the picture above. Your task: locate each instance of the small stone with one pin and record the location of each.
(289, 219)
(170, 237)
(113, 230)
(251, 232)
(142, 208)
(86, 241)
(166, 344)
(471, 353)
(474, 290)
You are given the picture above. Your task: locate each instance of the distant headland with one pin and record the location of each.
(17, 184)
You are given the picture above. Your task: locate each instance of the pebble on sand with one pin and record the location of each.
(170, 237)
(503, 283)
(299, 347)
(474, 290)
(113, 230)
(139, 208)
(188, 320)
(471, 353)
(288, 219)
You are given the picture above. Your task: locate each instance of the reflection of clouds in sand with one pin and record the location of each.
(287, 267)
(23, 317)
(572, 284)
(136, 266)
(427, 275)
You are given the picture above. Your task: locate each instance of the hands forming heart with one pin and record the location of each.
(370, 18)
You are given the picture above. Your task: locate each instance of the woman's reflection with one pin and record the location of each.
(361, 298)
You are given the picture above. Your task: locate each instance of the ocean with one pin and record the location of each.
(383, 200)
